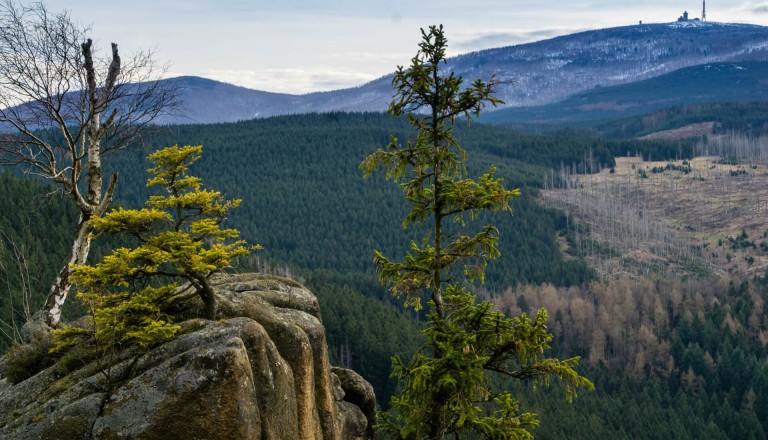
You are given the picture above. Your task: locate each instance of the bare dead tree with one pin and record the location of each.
(63, 107)
(13, 258)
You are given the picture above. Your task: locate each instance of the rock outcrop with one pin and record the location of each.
(260, 372)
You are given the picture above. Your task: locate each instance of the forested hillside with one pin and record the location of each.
(749, 117)
(305, 200)
(670, 358)
(36, 226)
(705, 83)
(672, 361)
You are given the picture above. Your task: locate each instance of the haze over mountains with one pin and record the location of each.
(533, 74)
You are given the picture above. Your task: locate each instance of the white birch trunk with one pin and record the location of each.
(95, 203)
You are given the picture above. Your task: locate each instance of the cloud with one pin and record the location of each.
(500, 39)
(385, 58)
(294, 81)
(760, 9)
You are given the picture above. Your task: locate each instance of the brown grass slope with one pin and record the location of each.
(708, 215)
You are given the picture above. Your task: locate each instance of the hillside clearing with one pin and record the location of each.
(686, 132)
(700, 216)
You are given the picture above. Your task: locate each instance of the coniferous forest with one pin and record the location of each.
(669, 357)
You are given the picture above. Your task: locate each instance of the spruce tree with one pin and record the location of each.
(180, 240)
(446, 388)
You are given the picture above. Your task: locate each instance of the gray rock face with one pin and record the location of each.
(260, 372)
(359, 395)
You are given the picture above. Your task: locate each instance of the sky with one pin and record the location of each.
(302, 46)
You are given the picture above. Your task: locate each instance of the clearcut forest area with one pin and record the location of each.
(697, 214)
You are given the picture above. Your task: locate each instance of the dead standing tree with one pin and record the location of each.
(62, 108)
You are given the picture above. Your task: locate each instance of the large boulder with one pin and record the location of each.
(260, 372)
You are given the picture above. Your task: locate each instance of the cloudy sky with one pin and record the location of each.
(300, 46)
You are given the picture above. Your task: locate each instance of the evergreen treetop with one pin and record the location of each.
(180, 239)
(432, 170)
(447, 385)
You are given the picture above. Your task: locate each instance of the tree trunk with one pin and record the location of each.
(62, 284)
(208, 296)
(437, 288)
(96, 201)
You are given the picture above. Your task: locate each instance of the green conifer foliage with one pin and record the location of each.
(179, 238)
(446, 387)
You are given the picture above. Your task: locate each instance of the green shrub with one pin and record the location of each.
(23, 361)
(75, 358)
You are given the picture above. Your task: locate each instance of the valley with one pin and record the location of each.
(641, 155)
(634, 270)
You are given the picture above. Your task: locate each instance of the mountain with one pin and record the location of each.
(209, 101)
(205, 101)
(714, 82)
(537, 73)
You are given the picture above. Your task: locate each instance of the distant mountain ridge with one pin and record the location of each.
(533, 74)
(712, 82)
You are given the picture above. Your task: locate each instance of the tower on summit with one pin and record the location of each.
(703, 10)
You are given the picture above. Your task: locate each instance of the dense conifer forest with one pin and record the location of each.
(682, 359)
(747, 117)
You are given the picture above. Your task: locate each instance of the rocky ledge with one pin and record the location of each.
(259, 372)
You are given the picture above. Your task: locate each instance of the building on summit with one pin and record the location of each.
(684, 17)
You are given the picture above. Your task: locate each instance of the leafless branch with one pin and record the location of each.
(64, 104)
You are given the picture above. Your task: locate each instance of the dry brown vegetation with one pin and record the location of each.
(627, 322)
(671, 241)
(706, 215)
(689, 131)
